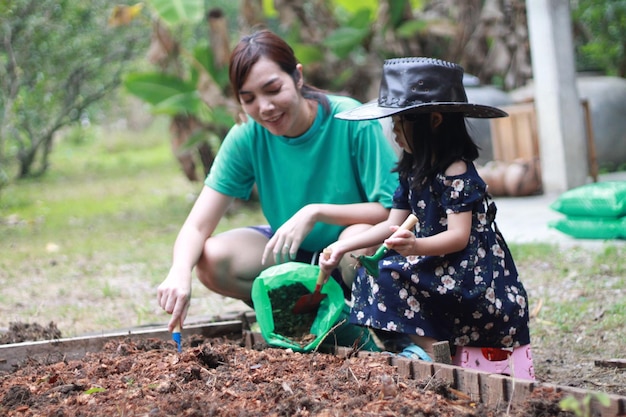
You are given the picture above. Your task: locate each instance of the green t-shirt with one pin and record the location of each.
(335, 161)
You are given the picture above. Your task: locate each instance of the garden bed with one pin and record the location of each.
(225, 369)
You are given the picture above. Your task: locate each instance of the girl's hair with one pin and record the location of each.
(265, 43)
(434, 150)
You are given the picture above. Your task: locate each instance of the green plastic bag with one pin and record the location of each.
(591, 227)
(290, 273)
(599, 199)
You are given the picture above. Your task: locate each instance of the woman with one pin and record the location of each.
(453, 279)
(319, 179)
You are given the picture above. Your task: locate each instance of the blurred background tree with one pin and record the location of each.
(61, 63)
(57, 60)
(600, 36)
(341, 44)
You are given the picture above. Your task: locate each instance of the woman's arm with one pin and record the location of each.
(348, 214)
(174, 292)
(289, 237)
(199, 225)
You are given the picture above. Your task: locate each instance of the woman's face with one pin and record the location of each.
(400, 129)
(270, 96)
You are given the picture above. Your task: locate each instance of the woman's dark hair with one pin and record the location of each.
(434, 150)
(265, 43)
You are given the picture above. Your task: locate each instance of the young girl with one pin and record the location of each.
(453, 279)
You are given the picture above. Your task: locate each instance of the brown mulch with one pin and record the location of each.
(220, 377)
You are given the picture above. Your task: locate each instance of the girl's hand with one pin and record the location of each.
(284, 245)
(330, 258)
(173, 296)
(402, 241)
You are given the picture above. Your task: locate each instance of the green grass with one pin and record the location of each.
(86, 245)
(578, 298)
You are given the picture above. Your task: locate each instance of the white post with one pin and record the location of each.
(560, 117)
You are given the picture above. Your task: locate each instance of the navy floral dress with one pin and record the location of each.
(470, 298)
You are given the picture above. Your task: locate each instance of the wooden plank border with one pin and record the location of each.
(50, 351)
(494, 390)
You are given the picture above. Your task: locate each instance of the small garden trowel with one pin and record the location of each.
(176, 338)
(309, 303)
(370, 263)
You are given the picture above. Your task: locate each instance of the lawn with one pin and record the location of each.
(86, 245)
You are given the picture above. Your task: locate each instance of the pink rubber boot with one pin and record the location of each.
(517, 362)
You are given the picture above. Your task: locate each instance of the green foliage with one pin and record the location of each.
(582, 407)
(268, 8)
(154, 87)
(353, 7)
(204, 57)
(574, 293)
(343, 40)
(174, 12)
(176, 93)
(411, 28)
(601, 25)
(58, 60)
(98, 230)
(355, 25)
(95, 390)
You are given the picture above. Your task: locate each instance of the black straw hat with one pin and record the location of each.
(420, 85)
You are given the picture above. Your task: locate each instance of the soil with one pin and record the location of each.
(292, 326)
(219, 377)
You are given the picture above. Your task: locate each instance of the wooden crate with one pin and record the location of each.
(516, 136)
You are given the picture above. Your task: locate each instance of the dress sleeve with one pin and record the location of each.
(461, 193)
(401, 195)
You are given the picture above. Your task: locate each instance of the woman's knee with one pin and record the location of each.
(231, 260)
(214, 263)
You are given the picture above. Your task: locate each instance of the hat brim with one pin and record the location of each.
(371, 110)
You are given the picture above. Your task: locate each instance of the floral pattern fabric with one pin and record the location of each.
(470, 298)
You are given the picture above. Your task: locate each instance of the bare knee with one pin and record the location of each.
(214, 267)
(231, 261)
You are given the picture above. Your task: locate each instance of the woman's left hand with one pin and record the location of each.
(287, 239)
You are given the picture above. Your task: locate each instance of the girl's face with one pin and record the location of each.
(270, 96)
(402, 129)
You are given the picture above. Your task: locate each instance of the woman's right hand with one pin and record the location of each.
(173, 296)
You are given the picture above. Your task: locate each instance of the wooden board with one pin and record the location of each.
(611, 363)
(516, 136)
(50, 351)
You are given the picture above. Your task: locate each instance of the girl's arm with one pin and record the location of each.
(452, 240)
(371, 237)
